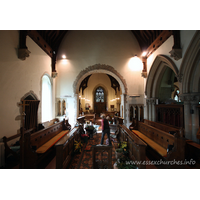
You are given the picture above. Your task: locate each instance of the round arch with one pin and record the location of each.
(99, 68)
(158, 67)
(105, 69)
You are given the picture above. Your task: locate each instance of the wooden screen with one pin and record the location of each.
(170, 115)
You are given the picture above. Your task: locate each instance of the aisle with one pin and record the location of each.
(84, 159)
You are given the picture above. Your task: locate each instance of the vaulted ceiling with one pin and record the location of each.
(49, 40)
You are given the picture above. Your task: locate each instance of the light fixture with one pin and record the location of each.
(135, 64)
(64, 56)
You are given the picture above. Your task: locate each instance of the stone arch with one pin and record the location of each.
(105, 69)
(100, 68)
(30, 94)
(190, 66)
(155, 74)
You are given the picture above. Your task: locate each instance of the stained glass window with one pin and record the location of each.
(99, 94)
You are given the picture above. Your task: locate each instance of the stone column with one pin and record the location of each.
(76, 107)
(149, 109)
(153, 109)
(191, 117)
(124, 112)
(138, 113)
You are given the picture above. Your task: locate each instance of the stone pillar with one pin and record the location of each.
(149, 108)
(191, 116)
(76, 107)
(122, 106)
(153, 109)
(133, 111)
(138, 113)
(124, 111)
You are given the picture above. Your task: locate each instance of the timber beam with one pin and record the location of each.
(158, 41)
(37, 38)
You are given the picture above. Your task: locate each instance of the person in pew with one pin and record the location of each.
(105, 129)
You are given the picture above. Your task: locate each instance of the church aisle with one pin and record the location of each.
(84, 160)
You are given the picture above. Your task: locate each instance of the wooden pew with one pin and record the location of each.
(136, 147)
(39, 144)
(65, 147)
(160, 140)
(13, 150)
(160, 126)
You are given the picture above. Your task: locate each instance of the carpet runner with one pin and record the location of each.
(84, 159)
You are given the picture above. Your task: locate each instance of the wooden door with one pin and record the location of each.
(99, 107)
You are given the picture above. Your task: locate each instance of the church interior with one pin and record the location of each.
(55, 84)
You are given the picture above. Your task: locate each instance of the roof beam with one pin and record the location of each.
(37, 38)
(158, 41)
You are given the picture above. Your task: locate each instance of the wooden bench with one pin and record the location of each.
(160, 140)
(12, 148)
(163, 127)
(136, 146)
(39, 144)
(65, 147)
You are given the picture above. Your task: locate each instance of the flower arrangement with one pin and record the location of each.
(77, 146)
(121, 150)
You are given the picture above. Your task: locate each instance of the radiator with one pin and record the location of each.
(2, 155)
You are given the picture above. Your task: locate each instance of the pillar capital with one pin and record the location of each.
(190, 98)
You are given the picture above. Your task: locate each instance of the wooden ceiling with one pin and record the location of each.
(49, 40)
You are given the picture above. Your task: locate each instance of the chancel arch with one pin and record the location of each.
(97, 69)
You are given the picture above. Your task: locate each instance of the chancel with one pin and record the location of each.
(55, 84)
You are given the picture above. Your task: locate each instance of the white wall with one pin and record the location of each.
(87, 48)
(17, 78)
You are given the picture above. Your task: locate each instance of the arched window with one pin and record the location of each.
(46, 99)
(99, 95)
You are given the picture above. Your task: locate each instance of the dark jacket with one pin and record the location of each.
(104, 124)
